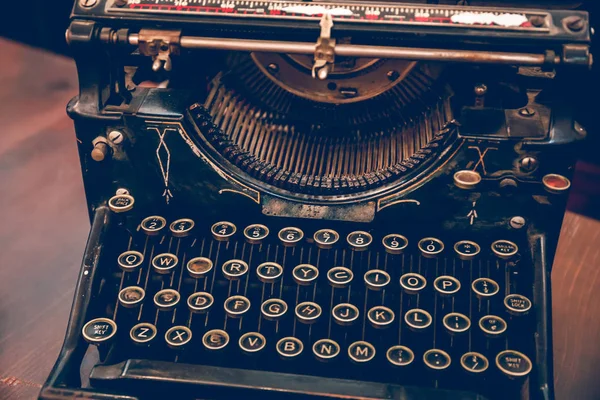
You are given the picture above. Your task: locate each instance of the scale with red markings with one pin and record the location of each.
(393, 14)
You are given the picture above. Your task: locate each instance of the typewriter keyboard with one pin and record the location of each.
(328, 302)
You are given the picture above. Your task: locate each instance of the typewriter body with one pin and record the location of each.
(320, 199)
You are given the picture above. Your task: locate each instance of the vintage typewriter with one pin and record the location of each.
(320, 199)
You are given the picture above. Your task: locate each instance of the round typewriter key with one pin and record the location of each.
(394, 243)
(308, 312)
(236, 306)
(513, 363)
(153, 225)
(130, 260)
(430, 247)
(99, 330)
(256, 233)
(131, 296)
(178, 336)
(252, 342)
(166, 299)
(466, 179)
(164, 263)
(474, 362)
(466, 249)
(376, 279)
(121, 203)
(456, 322)
(417, 319)
(345, 313)
(400, 355)
(359, 240)
(412, 282)
(485, 287)
(215, 339)
(290, 236)
(325, 349)
(555, 183)
(380, 316)
(223, 230)
(361, 351)
(269, 272)
(234, 269)
(143, 333)
(492, 325)
(199, 302)
(289, 347)
(181, 227)
(504, 249)
(517, 304)
(339, 276)
(273, 309)
(198, 267)
(446, 284)
(437, 359)
(305, 274)
(326, 238)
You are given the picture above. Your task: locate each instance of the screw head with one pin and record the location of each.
(88, 3)
(517, 222)
(480, 89)
(121, 191)
(576, 24)
(116, 137)
(273, 68)
(527, 112)
(537, 21)
(528, 163)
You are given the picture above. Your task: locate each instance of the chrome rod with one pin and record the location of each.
(352, 50)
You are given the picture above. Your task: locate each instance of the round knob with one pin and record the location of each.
(466, 179)
(100, 149)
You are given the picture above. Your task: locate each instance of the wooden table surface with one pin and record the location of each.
(43, 229)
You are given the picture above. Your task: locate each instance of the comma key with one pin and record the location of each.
(400, 356)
